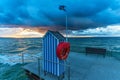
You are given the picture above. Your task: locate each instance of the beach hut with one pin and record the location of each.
(52, 64)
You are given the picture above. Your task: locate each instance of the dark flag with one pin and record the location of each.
(62, 7)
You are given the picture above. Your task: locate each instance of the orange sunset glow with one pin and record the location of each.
(20, 33)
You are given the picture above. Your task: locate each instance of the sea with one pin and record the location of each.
(12, 50)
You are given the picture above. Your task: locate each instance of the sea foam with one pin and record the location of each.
(13, 59)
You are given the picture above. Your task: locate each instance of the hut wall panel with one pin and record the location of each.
(44, 53)
(45, 56)
(52, 47)
(54, 58)
(48, 56)
(45, 62)
(52, 53)
(55, 64)
(48, 53)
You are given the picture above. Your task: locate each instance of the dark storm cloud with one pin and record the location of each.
(82, 14)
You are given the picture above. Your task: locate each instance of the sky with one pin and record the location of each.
(24, 18)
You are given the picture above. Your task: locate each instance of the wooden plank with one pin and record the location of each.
(32, 75)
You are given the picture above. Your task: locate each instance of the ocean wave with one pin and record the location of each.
(8, 71)
(33, 47)
(18, 50)
(13, 59)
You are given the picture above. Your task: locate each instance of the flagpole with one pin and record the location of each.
(62, 7)
(66, 25)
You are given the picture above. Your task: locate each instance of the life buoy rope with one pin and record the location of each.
(63, 50)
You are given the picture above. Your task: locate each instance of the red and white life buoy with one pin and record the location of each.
(63, 50)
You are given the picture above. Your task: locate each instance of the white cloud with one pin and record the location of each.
(111, 30)
(9, 31)
(19, 33)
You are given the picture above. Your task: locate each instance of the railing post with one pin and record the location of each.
(68, 71)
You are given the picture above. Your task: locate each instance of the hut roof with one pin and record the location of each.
(56, 34)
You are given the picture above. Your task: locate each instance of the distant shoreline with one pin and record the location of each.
(68, 37)
(19, 38)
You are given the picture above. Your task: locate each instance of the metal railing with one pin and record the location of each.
(25, 58)
(39, 60)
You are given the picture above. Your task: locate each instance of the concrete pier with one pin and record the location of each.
(82, 67)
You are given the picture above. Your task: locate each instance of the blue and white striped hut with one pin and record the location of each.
(51, 61)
